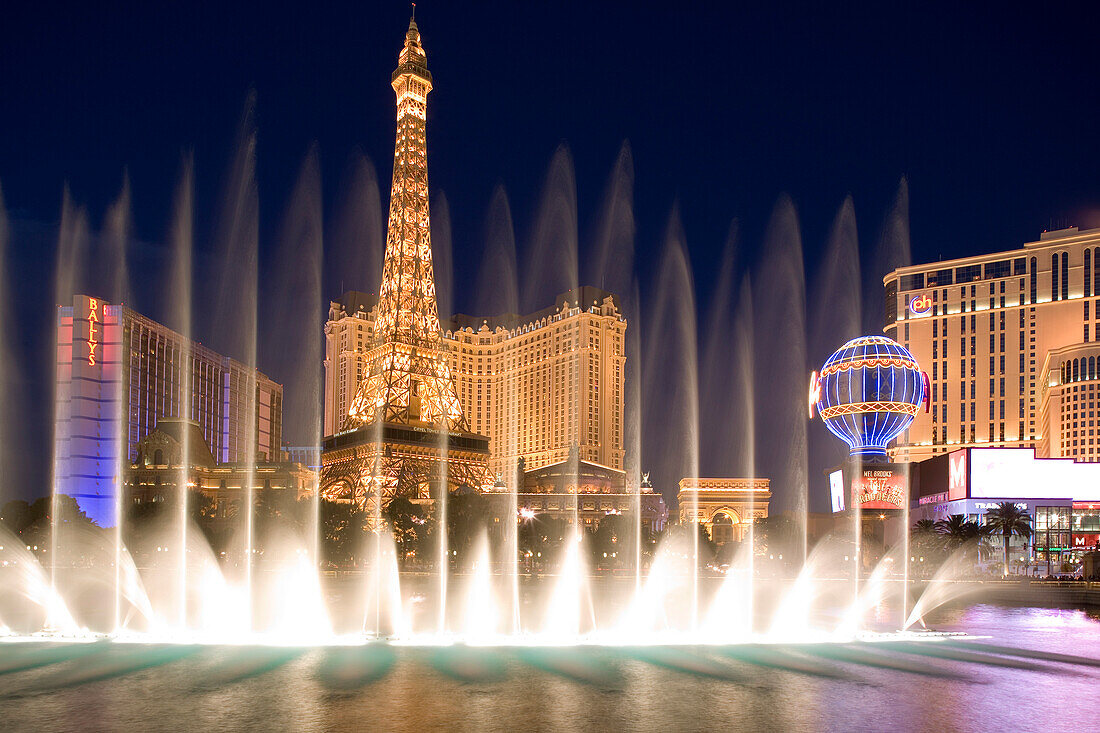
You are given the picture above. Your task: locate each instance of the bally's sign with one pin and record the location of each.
(920, 305)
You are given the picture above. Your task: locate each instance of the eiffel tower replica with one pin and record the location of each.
(406, 434)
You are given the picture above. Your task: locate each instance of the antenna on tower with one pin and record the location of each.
(414, 11)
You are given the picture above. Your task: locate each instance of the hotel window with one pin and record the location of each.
(1035, 279)
(1088, 275)
(1054, 276)
(1065, 276)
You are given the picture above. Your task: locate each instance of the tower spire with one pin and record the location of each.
(408, 379)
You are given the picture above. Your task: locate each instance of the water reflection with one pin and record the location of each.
(594, 688)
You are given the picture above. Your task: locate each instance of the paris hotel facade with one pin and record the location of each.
(533, 384)
(1010, 342)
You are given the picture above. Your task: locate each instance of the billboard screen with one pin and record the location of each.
(836, 490)
(957, 475)
(883, 486)
(1009, 473)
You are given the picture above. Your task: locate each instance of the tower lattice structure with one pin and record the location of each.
(408, 378)
(406, 433)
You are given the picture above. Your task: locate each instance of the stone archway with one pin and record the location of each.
(723, 526)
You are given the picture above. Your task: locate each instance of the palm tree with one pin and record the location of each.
(924, 526)
(1007, 519)
(957, 531)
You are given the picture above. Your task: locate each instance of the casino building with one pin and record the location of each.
(118, 373)
(176, 451)
(1062, 496)
(415, 406)
(1007, 341)
(533, 384)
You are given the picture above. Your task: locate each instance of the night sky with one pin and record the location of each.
(990, 116)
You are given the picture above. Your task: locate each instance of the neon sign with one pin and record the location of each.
(815, 392)
(93, 329)
(880, 489)
(920, 305)
(956, 485)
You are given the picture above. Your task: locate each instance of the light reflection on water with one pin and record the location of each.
(383, 688)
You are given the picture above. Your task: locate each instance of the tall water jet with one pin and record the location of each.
(551, 265)
(295, 352)
(782, 369)
(891, 252)
(612, 266)
(235, 319)
(743, 448)
(179, 292)
(552, 268)
(719, 411)
(355, 238)
(72, 243)
(6, 369)
(633, 426)
(835, 313)
(443, 254)
(498, 280)
(671, 369)
(443, 271)
(480, 624)
(115, 243)
(497, 293)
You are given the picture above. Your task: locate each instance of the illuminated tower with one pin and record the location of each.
(405, 433)
(408, 380)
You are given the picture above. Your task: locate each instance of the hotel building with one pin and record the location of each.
(119, 372)
(1006, 341)
(533, 384)
(1062, 496)
(176, 450)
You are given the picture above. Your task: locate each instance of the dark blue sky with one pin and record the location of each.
(991, 114)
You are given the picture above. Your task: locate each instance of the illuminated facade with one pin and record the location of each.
(404, 432)
(587, 492)
(1062, 496)
(160, 464)
(727, 506)
(1069, 403)
(119, 372)
(982, 328)
(535, 385)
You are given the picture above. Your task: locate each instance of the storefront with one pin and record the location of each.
(1061, 496)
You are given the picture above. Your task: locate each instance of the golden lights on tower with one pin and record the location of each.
(408, 379)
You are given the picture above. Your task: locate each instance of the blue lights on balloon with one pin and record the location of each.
(868, 393)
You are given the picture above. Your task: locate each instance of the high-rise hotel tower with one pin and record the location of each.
(545, 387)
(119, 372)
(1008, 342)
(534, 384)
